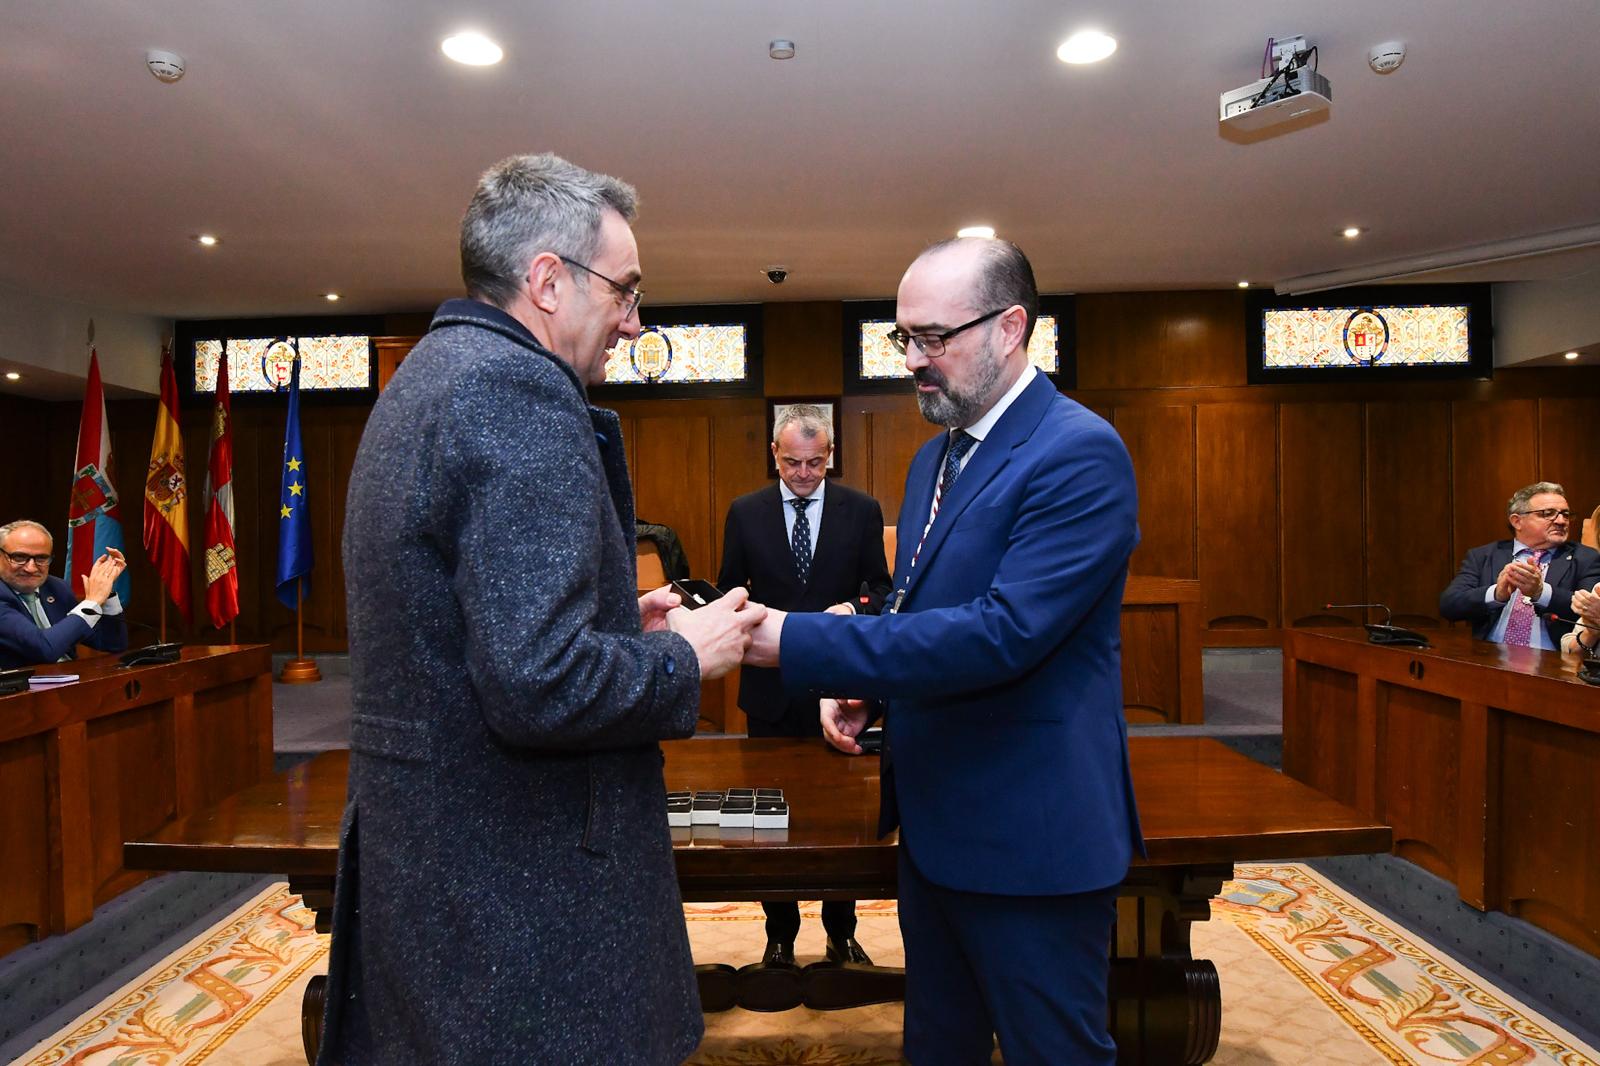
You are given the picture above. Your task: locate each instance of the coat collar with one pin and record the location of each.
(462, 312)
(1014, 428)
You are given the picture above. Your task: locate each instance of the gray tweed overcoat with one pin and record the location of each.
(506, 890)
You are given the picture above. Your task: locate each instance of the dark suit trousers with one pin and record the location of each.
(1032, 969)
(799, 719)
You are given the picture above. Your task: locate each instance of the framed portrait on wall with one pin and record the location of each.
(828, 405)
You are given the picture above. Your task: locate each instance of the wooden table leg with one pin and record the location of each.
(316, 893)
(1165, 1005)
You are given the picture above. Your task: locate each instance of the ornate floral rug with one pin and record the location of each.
(1309, 974)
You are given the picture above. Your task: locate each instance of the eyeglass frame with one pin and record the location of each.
(631, 294)
(900, 340)
(1548, 513)
(41, 561)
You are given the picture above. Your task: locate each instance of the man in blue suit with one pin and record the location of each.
(998, 665)
(41, 621)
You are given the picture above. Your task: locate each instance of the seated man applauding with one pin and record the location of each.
(40, 619)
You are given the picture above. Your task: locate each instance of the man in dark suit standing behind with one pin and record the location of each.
(803, 545)
(1519, 591)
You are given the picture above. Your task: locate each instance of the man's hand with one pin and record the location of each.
(653, 608)
(98, 582)
(719, 632)
(764, 640)
(841, 608)
(1503, 586)
(1525, 577)
(842, 722)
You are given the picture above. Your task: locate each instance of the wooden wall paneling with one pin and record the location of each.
(896, 436)
(803, 343)
(1134, 340)
(1408, 493)
(1237, 505)
(25, 842)
(1493, 445)
(1160, 441)
(1320, 499)
(1566, 424)
(740, 456)
(673, 478)
(391, 352)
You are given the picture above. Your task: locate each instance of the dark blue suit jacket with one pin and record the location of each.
(23, 643)
(1573, 566)
(1007, 763)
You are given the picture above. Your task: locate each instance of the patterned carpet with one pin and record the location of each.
(1309, 975)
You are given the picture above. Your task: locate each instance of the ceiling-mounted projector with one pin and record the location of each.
(1293, 90)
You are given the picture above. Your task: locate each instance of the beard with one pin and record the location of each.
(956, 408)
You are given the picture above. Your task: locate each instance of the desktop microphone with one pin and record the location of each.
(1385, 632)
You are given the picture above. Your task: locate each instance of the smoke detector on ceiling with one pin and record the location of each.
(1386, 57)
(166, 66)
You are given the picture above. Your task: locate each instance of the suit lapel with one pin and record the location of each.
(828, 536)
(1014, 428)
(775, 531)
(1560, 563)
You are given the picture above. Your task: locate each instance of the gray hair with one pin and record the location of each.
(1520, 498)
(529, 204)
(24, 523)
(1005, 277)
(808, 418)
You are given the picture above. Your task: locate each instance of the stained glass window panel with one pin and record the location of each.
(1323, 337)
(880, 362)
(680, 355)
(261, 364)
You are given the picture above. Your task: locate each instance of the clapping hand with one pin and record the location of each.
(99, 582)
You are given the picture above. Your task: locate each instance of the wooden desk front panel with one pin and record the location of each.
(117, 755)
(1485, 760)
(1161, 629)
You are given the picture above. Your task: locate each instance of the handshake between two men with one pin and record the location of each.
(734, 630)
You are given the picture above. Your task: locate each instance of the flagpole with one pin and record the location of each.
(299, 670)
(161, 632)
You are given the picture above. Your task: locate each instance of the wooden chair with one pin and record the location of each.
(890, 541)
(652, 575)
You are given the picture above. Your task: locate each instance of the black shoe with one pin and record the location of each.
(847, 950)
(778, 953)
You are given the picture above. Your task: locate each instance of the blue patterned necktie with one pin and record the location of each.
(800, 541)
(961, 442)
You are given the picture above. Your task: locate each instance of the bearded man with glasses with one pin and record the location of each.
(41, 621)
(1519, 591)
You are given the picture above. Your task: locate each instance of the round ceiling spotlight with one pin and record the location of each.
(472, 49)
(1570, 355)
(330, 296)
(1086, 46)
(1244, 284)
(986, 232)
(12, 375)
(206, 240)
(1350, 233)
(781, 48)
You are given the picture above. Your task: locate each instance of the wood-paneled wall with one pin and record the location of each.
(1279, 499)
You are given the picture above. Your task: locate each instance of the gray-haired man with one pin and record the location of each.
(1519, 591)
(506, 887)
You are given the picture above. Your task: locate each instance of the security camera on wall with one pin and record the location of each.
(776, 274)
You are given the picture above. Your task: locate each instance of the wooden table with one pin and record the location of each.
(1203, 806)
(87, 764)
(1484, 758)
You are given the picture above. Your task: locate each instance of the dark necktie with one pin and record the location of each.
(961, 442)
(800, 542)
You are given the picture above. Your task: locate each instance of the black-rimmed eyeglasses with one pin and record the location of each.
(23, 559)
(629, 294)
(932, 344)
(1549, 513)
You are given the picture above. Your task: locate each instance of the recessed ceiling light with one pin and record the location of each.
(986, 232)
(1571, 355)
(780, 49)
(1086, 46)
(12, 375)
(330, 296)
(206, 239)
(1244, 284)
(1351, 232)
(473, 49)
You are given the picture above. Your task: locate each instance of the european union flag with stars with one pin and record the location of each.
(294, 507)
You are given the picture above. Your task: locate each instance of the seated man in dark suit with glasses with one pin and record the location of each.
(41, 621)
(1519, 591)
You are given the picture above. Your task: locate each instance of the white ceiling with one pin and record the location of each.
(332, 147)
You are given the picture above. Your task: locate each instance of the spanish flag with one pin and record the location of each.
(166, 495)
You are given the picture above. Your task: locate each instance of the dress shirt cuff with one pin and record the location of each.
(1544, 596)
(87, 611)
(112, 605)
(1489, 598)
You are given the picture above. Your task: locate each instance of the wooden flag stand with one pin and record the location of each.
(299, 670)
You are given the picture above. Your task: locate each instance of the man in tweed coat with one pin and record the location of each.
(506, 888)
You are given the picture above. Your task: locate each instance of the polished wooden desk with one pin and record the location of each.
(1203, 807)
(85, 765)
(1484, 758)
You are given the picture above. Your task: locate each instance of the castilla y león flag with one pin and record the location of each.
(94, 520)
(222, 572)
(166, 496)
